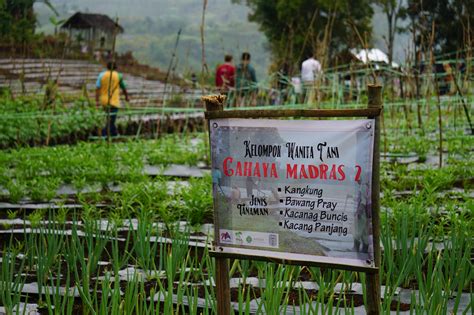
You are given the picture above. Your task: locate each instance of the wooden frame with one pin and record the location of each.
(286, 113)
(290, 259)
(214, 109)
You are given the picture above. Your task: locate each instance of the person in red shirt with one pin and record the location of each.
(225, 75)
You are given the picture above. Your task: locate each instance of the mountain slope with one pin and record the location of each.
(151, 27)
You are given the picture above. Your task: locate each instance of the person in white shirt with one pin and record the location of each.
(310, 70)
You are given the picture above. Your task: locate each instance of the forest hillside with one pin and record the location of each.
(151, 27)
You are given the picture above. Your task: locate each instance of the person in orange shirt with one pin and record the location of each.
(108, 86)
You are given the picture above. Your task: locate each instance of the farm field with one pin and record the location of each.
(95, 226)
(28, 76)
(236, 157)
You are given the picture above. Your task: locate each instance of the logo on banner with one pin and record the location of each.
(226, 237)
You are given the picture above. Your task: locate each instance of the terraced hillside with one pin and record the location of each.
(30, 76)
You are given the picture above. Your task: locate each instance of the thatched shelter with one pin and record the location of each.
(92, 32)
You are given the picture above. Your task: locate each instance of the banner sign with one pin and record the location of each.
(297, 190)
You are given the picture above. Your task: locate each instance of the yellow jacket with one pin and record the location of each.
(108, 84)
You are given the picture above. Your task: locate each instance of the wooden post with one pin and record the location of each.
(373, 279)
(216, 103)
(222, 286)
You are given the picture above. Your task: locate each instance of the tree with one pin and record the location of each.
(298, 28)
(394, 11)
(18, 20)
(451, 19)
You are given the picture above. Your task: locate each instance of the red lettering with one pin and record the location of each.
(247, 169)
(340, 170)
(256, 170)
(303, 172)
(313, 171)
(228, 172)
(323, 169)
(273, 171)
(359, 170)
(332, 174)
(238, 169)
(291, 171)
(265, 169)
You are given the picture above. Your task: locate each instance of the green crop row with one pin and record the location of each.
(55, 259)
(27, 121)
(39, 172)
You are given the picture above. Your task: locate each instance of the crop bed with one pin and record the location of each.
(68, 123)
(22, 76)
(126, 227)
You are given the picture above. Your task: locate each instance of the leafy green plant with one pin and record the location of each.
(197, 200)
(16, 191)
(35, 217)
(11, 215)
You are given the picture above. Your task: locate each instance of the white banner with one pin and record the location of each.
(296, 187)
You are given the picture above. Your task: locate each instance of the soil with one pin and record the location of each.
(465, 183)
(294, 296)
(198, 233)
(254, 293)
(402, 307)
(252, 272)
(305, 274)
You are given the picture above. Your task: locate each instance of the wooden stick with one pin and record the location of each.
(438, 99)
(222, 286)
(466, 110)
(291, 261)
(216, 103)
(363, 112)
(373, 279)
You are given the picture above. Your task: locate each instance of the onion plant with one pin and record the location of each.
(12, 278)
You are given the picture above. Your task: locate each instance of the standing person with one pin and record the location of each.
(283, 81)
(310, 69)
(225, 75)
(245, 78)
(108, 95)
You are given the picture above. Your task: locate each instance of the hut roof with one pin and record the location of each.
(89, 20)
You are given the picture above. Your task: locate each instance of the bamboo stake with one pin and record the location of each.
(362, 112)
(213, 104)
(373, 279)
(52, 89)
(438, 100)
(109, 92)
(170, 65)
(464, 105)
(204, 67)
